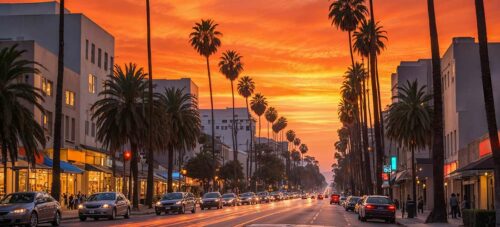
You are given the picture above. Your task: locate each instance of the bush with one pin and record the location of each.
(479, 218)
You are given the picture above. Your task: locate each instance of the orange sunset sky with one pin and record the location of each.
(290, 49)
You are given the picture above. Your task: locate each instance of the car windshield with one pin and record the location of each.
(18, 198)
(246, 194)
(378, 200)
(228, 196)
(172, 196)
(211, 195)
(102, 196)
(262, 193)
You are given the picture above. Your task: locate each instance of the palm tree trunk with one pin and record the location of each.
(4, 162)
(350, 48)
(235, 140)
(489, 102)
(214, 185)
(252, 154)
(56, 166)
(135, 173)
(150, 156)
(438, 213)
(365, 140)
(113, 169)
(379, 103)
(170, 169)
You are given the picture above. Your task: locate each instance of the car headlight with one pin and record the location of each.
(230, 201)
(105, 206)
(158, 203)
(19, 211)
(80, 206)
(216, 200)
(178, 202)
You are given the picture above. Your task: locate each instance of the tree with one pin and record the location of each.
(296, 142)
(290, 137)
(205, 39)
(230, 65)
(246, 87)
(17, 123)
(201, 168)
(278, 127)
(345, 15)
(271, 170)
(271, 116)
(259, 106)
(409, 122)
(122, 102)
(150, 156)
(56, 156)
(303, 150)
(489, 102)
(438, 213)
(183, 124)
(226, 173)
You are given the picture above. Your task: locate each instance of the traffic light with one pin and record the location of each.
(127, 155)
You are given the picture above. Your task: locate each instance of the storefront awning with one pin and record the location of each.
(97, 168)
(175, 175)
(475, 168)
(402, 176)
(65, 167)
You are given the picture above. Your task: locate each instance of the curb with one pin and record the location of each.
(132, 213)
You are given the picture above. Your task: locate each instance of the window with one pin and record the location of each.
(73, 129)
(47, 122)
(224, 121)
(111, 63)
(93, 129)
(456, 142)
(66, 128)
(105, 61)
(92, 54)
(99, 52)
(92, 83)
(70, 98)
(86, 128)
(216, 127)
(248, 128)
(87, 49)
(46, 87)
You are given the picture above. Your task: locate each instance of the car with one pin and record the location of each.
(334, 199)
(313, 196)
(304, 196)
(178, 202)
(248, 198)
(230, 199)
(30, 209)
(377, 207)
(345, 201)
(351, 202)
(342, 200)
(320, 196)
(356, 207)
(211, 199)
(264, 197)
(104, 205)
(277, 195)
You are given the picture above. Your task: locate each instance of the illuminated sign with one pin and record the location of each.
(485, 147)
(387, 168)
(394, 163)
(385, 176)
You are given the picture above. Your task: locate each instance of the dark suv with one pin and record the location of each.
(179, 202)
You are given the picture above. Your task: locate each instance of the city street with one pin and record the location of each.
(290, 212)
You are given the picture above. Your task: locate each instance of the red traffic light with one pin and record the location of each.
(127, 155)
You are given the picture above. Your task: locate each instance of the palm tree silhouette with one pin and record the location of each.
(259, 106)
(205, 40)
(246, 87)
(271, 116)
(150, 156)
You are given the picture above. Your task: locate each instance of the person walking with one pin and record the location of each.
(421, 205)
(70, 202)
(65, 200)
(454, 205)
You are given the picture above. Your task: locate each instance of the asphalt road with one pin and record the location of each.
(298, 212)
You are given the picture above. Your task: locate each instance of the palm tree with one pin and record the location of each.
(409, 122)
(438, 213)
(123, 103)
(259, 106)
(303, 150)
(56, 156)
(296, 142)
(271, 116)
(183, 124)
(489, 102)
(17, 123)
(205, 40)
(290, 137)
(246, 87)
(230, 65)
(278, 128)
(150, 156)
(345, 15)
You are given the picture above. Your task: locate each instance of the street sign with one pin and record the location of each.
(387, 168)
(394, 163)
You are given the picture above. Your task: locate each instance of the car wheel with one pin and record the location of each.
(82, 218)
(113, 215)
(158, 212)
(57, 219)
(202, 208)
(193, 210)
(33, 220)
(127, 214)
(182, 210)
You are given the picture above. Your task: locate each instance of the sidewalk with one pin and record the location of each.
(73, 214)
(420, 220)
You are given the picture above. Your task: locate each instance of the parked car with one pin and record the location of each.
(230, 199)
(30, 209)
(211, 199)
(320, 196)
(104, 205)
(350, 204)
(342, 200)
(264, 197)
(304, 196)
(248, 198)
(334, 199)
(277, 195)
(179, 202)
(377, 207)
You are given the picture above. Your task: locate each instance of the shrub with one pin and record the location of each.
(479, 218)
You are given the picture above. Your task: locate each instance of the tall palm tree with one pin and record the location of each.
(17, 123)
(271, 116)
(246, 87)
(345, 15)
(489, 102)
(123, 103)
(303, 150)
(150, 156)
(205, 39)
(438, 213)
(409, 122)
(259, 106)
(56, 156)
(183, 124)
(290, 137)
(230, 65)
(278, 128)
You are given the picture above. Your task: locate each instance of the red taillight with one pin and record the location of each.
(391, 207)
(370, 207)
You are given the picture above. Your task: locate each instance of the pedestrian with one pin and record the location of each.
(459, 213)
(65, 200)
(453, 205)
(465, 203)
(70, 202)
(396, 203)
(421, 205)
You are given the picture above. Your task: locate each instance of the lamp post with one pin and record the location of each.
(183, 173)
